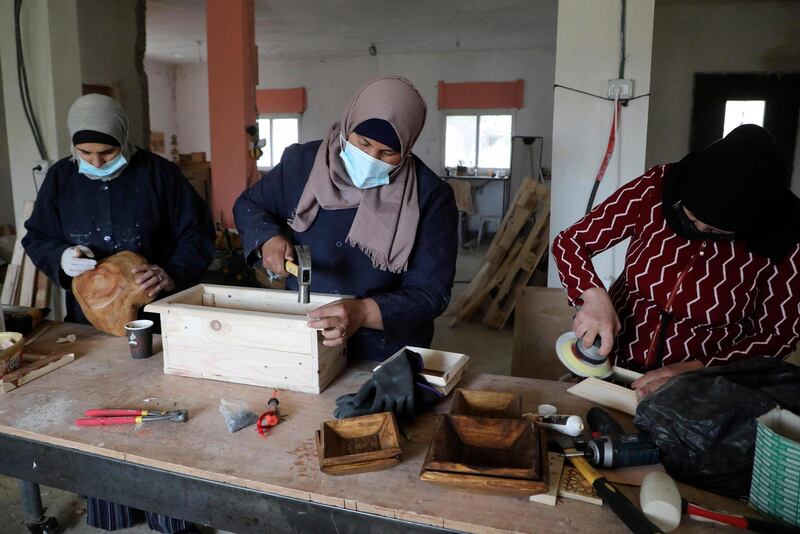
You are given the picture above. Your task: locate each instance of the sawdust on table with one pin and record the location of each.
(40, 416)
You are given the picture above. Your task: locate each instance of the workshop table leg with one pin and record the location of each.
(33, 511)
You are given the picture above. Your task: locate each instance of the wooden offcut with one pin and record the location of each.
(250, 336)
(15, 275)
(516, 250)
(606, 394)
(33, 366)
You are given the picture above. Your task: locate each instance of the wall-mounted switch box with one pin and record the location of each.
(625, 88)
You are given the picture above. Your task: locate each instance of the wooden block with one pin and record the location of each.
(556, 465)
(606, 394)
(482, 403)
(26, 290)
(574, 486)
(43, 289)
(359, 439)
(485, 447)
(34, 370)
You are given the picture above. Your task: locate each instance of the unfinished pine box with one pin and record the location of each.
(248, 336)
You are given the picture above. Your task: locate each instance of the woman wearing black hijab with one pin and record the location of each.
(712, 272)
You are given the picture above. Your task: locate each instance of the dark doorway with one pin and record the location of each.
(780, 92)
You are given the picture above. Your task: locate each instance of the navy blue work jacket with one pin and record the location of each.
(150, 209)
(409, 302)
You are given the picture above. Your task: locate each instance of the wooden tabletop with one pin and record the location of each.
(285, 463)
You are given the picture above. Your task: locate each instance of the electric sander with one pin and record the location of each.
(580, 360)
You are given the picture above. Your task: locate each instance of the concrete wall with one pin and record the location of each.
(331, 82)
(49, 30)
(6, 202)
(108, 40)
(706, 36)
(587, 56)
(161, 82)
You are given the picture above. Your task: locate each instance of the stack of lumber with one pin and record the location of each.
(24, 285)
(516, 250)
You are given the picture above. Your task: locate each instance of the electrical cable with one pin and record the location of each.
(622, 43)
(22, 82)
(624, 102)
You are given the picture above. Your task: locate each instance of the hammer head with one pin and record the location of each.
(303, 256)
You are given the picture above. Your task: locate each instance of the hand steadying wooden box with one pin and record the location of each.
(249, 336)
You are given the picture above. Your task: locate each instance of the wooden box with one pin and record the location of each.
(480, 403)
(484, 446)
(359, 444)
(442, 369)
(249, 336)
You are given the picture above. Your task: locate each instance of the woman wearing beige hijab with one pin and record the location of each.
(381, 226)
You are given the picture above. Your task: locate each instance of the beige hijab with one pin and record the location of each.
(385, 225)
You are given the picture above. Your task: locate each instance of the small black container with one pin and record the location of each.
(140, 338)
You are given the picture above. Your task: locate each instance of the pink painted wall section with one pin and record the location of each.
(482, 95)
(281, 100)
(232, 70)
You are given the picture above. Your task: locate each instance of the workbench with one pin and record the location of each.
(243, 482)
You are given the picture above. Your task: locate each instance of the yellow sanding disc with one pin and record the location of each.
(565, 349)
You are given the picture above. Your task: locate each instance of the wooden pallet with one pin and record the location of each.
(516, 250)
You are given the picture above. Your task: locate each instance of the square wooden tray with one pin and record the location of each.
(359, 439)
(480, 403)
(485, 446)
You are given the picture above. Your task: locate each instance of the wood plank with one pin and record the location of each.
(34, 370)
(556, 466)
(12, 283)
(27, 287)
(43, 290)
(606, 394)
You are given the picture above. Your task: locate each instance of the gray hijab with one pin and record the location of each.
(385, 225)
(102, 114)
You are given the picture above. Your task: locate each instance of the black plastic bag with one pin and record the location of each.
(704, 422)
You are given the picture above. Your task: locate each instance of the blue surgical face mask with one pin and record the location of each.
(109, 168)
(364, 170)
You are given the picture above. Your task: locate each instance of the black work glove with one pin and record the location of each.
(395, 387)
(355, 404)
(394, 383)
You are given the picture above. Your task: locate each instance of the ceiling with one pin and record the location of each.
(334, 28)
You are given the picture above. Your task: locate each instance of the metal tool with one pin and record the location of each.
(271, 417)
(580, 360)
(100, 417)
(633, 518)
(612, 447)
(302, 270)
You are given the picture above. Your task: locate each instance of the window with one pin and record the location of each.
(481, 140)
(738, 112)
(279, 132)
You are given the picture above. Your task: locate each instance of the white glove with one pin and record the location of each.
(76, 260)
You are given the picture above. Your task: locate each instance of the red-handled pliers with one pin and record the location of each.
(100, 417)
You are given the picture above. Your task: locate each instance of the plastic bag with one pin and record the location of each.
(705, 422)
(236, 414)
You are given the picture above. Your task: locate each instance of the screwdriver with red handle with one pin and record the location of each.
(100, 417)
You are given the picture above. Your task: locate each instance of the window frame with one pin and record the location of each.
(477, 113)
(271, 117)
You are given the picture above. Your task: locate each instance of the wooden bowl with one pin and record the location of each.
(359, 439)
(10, 357)
(480, 403)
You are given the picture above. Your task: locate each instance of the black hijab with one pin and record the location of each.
(737, 184)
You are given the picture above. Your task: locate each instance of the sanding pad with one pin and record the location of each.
(567, 353)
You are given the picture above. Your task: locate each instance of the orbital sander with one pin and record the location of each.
(580, 360)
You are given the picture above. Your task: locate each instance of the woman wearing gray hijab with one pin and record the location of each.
(108, 197)
(381, 226)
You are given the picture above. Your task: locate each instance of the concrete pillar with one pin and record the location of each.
(52, 58)
(587, 56)
(232, 64)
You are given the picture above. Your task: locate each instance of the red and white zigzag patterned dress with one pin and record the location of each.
(722, 303)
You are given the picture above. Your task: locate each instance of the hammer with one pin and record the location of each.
(302, 270)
